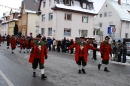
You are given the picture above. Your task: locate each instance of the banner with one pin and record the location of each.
(8, 7)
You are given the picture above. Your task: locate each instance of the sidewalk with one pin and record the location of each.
(99, 57)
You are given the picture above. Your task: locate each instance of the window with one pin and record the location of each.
(50, 16)
(110, 23)
(37, 31)
(105, 14)
(43, 31)
(100, 24)
(126, 35)
(49, 2)
(100, 15)
(49, 31)
(67, 32)
(23, 21)
(127, 24)
(84, 5)
(67, 2)
(43, 18)
(109, 13)
(44, 4)
(68, 16)
(84, 33)
(85, 19)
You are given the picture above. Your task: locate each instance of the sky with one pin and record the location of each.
(17, 3)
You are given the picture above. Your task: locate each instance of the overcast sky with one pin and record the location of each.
(17, 3)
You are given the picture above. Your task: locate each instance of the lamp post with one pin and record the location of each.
(79, 32)
(95, 31)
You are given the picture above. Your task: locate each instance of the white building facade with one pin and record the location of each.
(66, 18)
(113, 14)
(4, 24)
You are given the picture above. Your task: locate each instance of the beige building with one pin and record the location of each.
(12, 21)
(66, 18)
(28, 18)
(114, 14)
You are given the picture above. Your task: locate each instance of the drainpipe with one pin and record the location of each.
(121, 29)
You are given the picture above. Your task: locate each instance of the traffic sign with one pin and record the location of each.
(113, 29)
(109, 30)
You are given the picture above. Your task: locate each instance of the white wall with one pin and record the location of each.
(32, 19)
(125, 29)
(58, 23)
(75, 24)
(105, 20)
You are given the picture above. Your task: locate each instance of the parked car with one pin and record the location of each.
(128, 48)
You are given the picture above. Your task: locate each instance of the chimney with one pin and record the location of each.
(119, 2)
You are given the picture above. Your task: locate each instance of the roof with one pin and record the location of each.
(30, 11)
(15, 11)
(7, 13)
(75, 7)
(31, 5)
(121, 10)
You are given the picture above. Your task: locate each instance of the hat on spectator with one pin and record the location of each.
(82, 37)
(39, 35)
(107, 37)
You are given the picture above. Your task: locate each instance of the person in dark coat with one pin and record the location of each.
(8, 41)
(71, 43)
(59, 45)
(119, 50)
(94, 51)
(124, 50)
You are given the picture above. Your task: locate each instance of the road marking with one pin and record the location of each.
(6, 79)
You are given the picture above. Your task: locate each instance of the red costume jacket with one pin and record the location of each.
(84, 50)
(22, 43)
(105, 49)
(13, 43)
(35, 51)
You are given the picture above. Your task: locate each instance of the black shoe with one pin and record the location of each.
(106, 70)
(23, 52)
(12, 52)
(79, 72)
(99, 65)
(34, 74)
(43, 76)
(83, 71)
(19, 51)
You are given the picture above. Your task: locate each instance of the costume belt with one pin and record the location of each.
(38, 52)
(81, 52)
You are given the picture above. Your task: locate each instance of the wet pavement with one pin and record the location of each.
(61, 70)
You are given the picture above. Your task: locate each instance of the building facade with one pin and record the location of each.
(4, 24)
(115, 15)
(12, 21)
(28, 17)
(66, 18)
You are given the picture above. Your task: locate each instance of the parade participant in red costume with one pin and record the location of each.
(22, 44)
(13, 43)
(81, 54)
(38, 55)
(105, 49)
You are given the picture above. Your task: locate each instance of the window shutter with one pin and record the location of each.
(64, 1)
(82, 18)
(65, 16)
